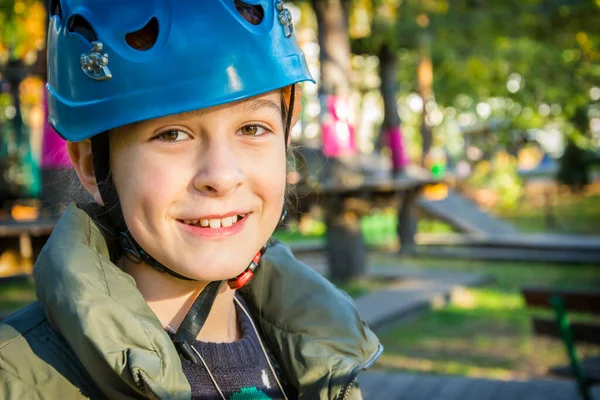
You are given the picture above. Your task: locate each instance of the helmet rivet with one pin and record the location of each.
(95, 64)
(285, 18)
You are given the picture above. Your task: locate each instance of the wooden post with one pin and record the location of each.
(347, 253)
(407, 225)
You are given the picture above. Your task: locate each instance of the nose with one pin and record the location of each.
(220, 172)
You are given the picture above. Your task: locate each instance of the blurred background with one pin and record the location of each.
(446, 162)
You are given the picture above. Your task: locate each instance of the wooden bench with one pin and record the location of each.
(563, 301)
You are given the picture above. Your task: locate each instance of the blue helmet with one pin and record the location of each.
(112, 63)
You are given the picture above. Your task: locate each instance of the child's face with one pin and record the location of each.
(213, 164)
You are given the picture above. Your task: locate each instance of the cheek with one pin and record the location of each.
(142, 186)
(270, 178)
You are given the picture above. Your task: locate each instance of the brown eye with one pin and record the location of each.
(173, 135)
(249, 130)
(253, 130)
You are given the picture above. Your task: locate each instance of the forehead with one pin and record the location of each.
(270, 101)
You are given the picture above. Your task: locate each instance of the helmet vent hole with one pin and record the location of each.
(55, 8)
(78, 24)
(145, 38)
(251, 13)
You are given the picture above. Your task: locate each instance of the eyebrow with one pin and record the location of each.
(247, 105)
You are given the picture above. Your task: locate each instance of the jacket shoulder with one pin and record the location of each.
(20, 323)
(35, 362)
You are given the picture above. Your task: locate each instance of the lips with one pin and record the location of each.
(214, 223)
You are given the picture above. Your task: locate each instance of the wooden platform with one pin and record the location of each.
(542, 248)
(36, 227)
(377, 385)
(464, 215)
(408, 291)
(533, 241)
(548, 256)
(22, 240)
(366, 185)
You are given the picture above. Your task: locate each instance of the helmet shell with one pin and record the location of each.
(205, 54)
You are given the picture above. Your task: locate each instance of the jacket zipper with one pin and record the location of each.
(354, 374)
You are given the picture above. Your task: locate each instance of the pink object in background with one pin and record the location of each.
(54, 148)
(337, 132)
(395, 142)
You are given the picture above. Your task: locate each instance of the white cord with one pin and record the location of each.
(209, 373)
(170, 329)
(262, 347)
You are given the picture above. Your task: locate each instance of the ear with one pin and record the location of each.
(82, 159)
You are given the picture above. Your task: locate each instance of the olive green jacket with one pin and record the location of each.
(91, 334)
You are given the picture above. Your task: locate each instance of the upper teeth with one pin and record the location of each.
(215, 223)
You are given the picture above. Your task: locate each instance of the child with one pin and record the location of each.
(177, 116)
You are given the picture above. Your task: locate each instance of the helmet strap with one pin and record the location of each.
(194, 320)
(290, 113)
(196, 316)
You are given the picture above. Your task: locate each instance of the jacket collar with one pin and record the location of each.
(97, 309)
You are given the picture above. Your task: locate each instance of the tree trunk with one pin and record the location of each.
(425, 80)
(347, 253)
(337, 133)
(390, 133)
(387, 72)
(14, 76)
(332, 24)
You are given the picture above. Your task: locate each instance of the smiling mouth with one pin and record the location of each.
(214, 223)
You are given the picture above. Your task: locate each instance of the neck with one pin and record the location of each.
(171, 298)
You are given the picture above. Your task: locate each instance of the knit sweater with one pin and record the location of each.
(239, 368)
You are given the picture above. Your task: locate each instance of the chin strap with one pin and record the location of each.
(244, 277)
(136, 254)
(198, 314)
(194, 320)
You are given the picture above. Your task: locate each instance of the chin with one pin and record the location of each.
(209, 270)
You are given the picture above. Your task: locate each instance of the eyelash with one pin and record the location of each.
(159, 136)
(264, 128)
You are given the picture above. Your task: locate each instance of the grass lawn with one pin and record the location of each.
(379, 229)
(487, 332)
(572, 213)
(15, 294)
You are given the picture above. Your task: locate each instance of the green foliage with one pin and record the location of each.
(575, 163)
(476, 46)
(499, 177)
(574, 167)
(22, 29)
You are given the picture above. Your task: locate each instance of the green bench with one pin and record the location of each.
(562, 302)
